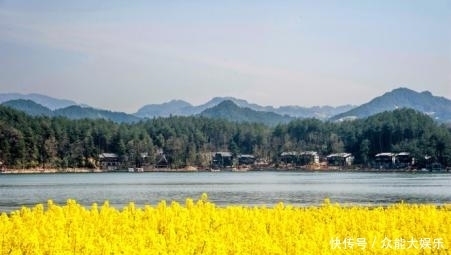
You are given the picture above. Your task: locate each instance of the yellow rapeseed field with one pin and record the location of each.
(201, 227)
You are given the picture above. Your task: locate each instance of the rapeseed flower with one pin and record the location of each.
(201, 227)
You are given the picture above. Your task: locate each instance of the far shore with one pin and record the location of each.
(195, 169)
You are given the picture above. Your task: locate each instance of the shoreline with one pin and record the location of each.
(238, 170)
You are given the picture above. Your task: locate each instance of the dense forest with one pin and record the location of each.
(30, 142)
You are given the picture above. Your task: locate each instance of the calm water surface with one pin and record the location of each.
(224, 188)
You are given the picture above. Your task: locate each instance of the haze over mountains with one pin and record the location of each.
(71, 112)
(46, 101)
(235, 109)
(182, 108)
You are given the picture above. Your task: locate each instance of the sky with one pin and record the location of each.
(121, 55)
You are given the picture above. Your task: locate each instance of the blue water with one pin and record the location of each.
(224, 188)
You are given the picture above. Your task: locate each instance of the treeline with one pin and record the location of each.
(28, 142)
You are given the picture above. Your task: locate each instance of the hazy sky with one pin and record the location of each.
(121, 55)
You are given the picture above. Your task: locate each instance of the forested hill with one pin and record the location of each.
(29, 107)
(58, 142)
(228, 110)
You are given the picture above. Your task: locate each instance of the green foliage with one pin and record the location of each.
(62, 143)
(30, 107)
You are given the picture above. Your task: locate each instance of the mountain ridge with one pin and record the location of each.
(72, 112)
(230, 111)
(46, 101)
(437, 107)
(183, 108)
(28, 106)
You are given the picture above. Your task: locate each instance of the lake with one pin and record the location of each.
(225, 188)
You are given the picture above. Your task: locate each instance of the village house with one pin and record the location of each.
(109, 161)
(299, 159)
(289, 157)
(340, 159)
(222, 159)
(308, 158)
(246, 159)
(390, 160)
(404, 160)
(162, 161)
(385, 160)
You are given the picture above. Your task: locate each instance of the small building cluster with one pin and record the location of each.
(246, 159)
(113, 162)
(287, 159)
(390, 160)
(312, 158)
(299, 158)
(223, 160)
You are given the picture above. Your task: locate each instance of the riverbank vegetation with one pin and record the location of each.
(43, 142)
(200, 227)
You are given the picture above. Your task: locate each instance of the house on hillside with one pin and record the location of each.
(162, 161)
(299, 159)
(385, 160)
(308, 158)
(142, 160)
(109, 161)
(246, 159)
(404, 160)
(222, 159)
(289, 157)
(340, 159)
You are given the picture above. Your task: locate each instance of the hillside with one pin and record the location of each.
(61, 143)
(71, 112)
(228, 110)
(173, 107)
(29, 107)
(46, 101)
(439, 108)
(78, 112)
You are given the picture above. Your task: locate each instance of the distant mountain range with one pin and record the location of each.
(182, 108)
(71, 112)
(438, 108)
(46, 101)
(235, 109)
